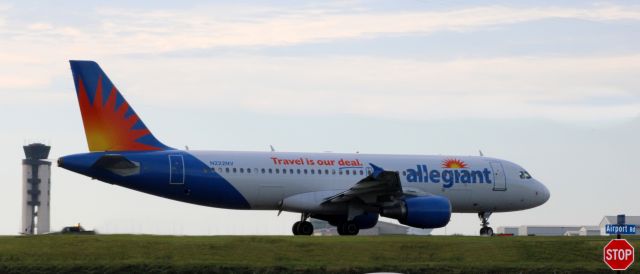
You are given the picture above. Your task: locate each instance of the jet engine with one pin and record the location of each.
(422, 212)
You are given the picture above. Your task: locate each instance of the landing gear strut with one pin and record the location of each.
(486, 230)
(302, 227)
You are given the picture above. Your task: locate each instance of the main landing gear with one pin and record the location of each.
(303, 227)
(349, 228)
(486, 230)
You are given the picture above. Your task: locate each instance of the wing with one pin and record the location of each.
(379, 187)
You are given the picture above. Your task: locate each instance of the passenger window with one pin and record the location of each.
(291, 171)
(298, 171)
(333, 172)
(277, 171)
(326, 171)
(270, 171)
(313, 171)
(284, 171)
(346, 172)
(319, 171)
(248, 170)
(234, 170)
(241, 170)
(361, 172)
(262, 170)
(227, 169)
(340, 172)
(305, 171)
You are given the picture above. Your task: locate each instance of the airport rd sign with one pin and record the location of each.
(618, 254)
(620, 229)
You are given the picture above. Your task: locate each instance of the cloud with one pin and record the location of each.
(559, 88)
(193, 29)
(124, 31)
(562, 89)
(3, 10)
(40, 27)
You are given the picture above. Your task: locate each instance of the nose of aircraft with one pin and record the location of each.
(544, 193)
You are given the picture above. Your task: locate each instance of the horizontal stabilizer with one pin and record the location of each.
(117, 164)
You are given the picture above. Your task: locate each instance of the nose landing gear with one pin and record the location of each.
(486, 230)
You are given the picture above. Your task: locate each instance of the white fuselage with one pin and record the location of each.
(471, 183)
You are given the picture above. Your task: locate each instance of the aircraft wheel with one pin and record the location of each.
(296, 228)
(302, 228)
(348, 228)
(486, 231)
(305, 228)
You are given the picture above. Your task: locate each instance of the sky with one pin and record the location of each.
(551, 85)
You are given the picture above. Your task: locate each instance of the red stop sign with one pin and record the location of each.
(618, 254)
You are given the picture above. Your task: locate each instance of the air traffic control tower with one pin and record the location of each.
(36, 183)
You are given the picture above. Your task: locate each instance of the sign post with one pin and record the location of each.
(619, 254)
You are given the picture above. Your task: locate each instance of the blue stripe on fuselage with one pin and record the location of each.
(201, 185)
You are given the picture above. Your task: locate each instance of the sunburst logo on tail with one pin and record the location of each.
(453, 163)
(107, 126)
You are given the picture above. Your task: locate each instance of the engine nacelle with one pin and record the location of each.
(366, 220)
(422, 212)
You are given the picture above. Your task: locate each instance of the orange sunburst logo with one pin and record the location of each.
(106, 126)
(453, 163)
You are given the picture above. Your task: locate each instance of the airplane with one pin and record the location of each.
(348, 190)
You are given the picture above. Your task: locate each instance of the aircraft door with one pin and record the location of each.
(176, 169)
(499, 178)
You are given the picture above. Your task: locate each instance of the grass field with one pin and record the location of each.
(287, 254)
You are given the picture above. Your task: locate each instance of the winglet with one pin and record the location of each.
(376, 170)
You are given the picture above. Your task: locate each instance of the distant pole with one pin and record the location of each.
(621, 221)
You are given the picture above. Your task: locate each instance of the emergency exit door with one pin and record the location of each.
(176, 169)
(499, 178)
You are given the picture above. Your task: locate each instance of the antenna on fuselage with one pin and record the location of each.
(272, 149)
(481, 154)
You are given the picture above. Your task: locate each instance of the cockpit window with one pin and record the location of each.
(525, 175)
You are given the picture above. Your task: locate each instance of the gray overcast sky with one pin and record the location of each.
(551, 85)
